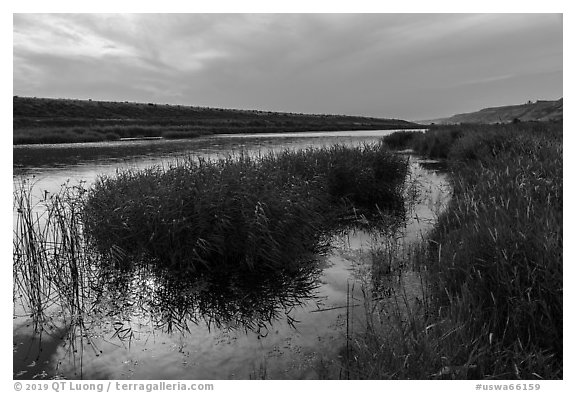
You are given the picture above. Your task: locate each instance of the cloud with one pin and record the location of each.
(329, 63)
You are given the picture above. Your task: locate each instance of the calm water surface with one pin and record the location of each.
(52, 165)
(303, 340)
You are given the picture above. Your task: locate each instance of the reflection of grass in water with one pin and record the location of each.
(226, 300)
(392, 243)
(396, 304)
(390, 274)
(54, 275)
(395, 298)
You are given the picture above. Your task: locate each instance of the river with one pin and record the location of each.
(305, 337)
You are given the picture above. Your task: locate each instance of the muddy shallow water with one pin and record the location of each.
(302, 338)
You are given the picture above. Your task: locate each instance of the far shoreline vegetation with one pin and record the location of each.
(50, 120)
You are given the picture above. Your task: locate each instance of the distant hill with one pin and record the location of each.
(532, 111)
(47, 112)
(47, 120)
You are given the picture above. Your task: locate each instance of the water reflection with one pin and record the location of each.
(219, 299)
(65, 154)
(54, 164)
(119, 306)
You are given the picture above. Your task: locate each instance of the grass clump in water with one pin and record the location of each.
(255, 213)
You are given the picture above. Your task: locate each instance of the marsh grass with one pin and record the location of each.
(453, 142)
(48, 248)
(507, 217)
(252, 213)
(492, 267)
(400, 140)
(53, 272)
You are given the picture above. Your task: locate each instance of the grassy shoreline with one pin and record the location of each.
(493, 265)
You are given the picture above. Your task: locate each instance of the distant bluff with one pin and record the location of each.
(531, 111)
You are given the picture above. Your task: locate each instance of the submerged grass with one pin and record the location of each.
(493, 265)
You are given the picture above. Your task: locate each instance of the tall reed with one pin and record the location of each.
(493, 266)
(55, 274)
(256, 213)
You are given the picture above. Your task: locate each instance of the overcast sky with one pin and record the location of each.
(408, 66)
